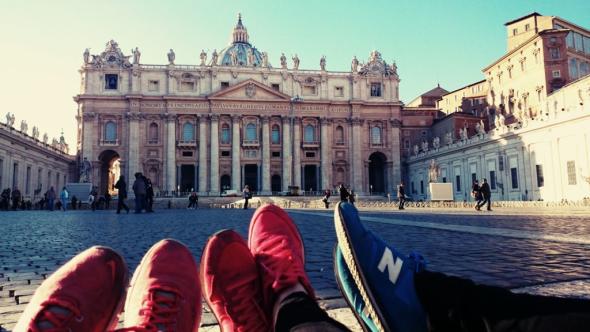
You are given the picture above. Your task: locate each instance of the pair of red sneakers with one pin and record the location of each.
(241, 282)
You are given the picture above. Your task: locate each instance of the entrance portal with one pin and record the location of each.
(110, 170)
(251, 176)
(187, 178)
(377, 172)
(310, 178)
(275, 183)
(225, 182)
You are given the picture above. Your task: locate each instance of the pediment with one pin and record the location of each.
(250, 89)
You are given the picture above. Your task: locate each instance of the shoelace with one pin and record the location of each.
(283, 268)
(158, 310)
(58, 320)
(249, 316)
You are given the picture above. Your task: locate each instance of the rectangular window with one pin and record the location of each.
(514, 32)
(571, 173)
(554, 51)
(15, 175)
(40, 179)
(187, 153)
(310, 155)
(111, 81)
(584, 68)
(578, 42)
(154, 86)
(225, 153)
(444, 179)
(514, 177)
(309, 90)
(540, 178)
(375, 89)
(48, 180)
(587, 45)
(527, 27)
(413, 189)
(187, 86)
(473, 177)
(573, 67)
(224, 85)
(422, 187)
(556, 74)
(457, 182)
(276, 154)
(276, 86)
(339, 91)
(28, 181)
(493, 180)
(569, 40)
(1, 172)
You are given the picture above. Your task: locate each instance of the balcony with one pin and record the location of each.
(250, 143)
(186, 144)
(310, 144)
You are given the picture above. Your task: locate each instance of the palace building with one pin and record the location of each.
(236, 120)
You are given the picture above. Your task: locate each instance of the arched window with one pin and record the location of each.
(225, 134)
(188, 132)
(250, 132)
(275, 136)
(309, 134)
(110, 131)
(153, 133)
(339, 135)
(376, 135)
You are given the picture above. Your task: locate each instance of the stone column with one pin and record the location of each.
(265, 156)
(170, 152)
(297, 152)
(357, 160)
(214, 155)
(88, 135)
(202, 154)
(287, 158)
(396, 171)
(235, 153)
(325, 156)
(133, 149)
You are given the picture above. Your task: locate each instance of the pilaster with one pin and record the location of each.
(202, 154)
(287, 158)
(235, 153)
(265, 155)
(214, 183)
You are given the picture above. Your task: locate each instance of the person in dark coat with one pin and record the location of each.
(343, 193)
(139, 189)
(401, 196)
(50, 198)
(326, 199)
(247, 195)
(487, 195)
(476, 194)
(121, 186)
(149, 195)
(16, 198)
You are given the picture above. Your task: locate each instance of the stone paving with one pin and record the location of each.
(524, 250)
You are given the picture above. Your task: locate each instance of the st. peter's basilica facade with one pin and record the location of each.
(235, 120)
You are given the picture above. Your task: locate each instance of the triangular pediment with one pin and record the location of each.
(250, 89)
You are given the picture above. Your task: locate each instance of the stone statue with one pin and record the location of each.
(24, 127)
(394, 67)
(136, 56)
(203, 57)
(464, 134)
(55, 143)
(477, 128)
(10, 120)
(416, 150)
(97, 61)
(85, 170)
(323, 63)
(433, 171)
(355, 64)
(436, 143)
(500, 120)
(86, 56)
(295, 62)
(251, 58)
(449, 138)
(171, 57)
(234, 57)
(482, 129)
(425, 146)
(214, 56)
(265, 59)
(283, 61)
(35, 132)
(45, 138)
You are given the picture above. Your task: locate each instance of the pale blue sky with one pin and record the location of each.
(431, 41)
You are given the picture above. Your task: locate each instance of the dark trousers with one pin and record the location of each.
(486, 199)
(121, 205)
(402, 201)
(246, 203)
(456, 304)
(149, 204)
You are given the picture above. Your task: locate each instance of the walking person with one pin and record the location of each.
(63, 198)
(192, 200)
(343, 193)
(326, 199)
(50, 198)
(149, 195)
(401, 196)
(16, 198)
(92, 201)
(139, 189)
(487, 195)
(476, 194)
(121, 186)
(247, 195)
(351, 197)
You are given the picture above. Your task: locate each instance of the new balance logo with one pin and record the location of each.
(394, 266)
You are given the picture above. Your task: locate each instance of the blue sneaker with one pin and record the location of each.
(384, 277)
(351, 292)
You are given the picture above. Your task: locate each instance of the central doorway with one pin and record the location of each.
(187, 178)
(377, 172)
(310, 178)
(110, 170)
(251, 176)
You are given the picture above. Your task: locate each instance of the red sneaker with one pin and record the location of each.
(229, 277)
(164, 294)
(278, 250)
(85, 294)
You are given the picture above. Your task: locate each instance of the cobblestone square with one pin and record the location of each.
(544, 253)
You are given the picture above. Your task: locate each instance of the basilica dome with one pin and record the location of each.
(240, 52)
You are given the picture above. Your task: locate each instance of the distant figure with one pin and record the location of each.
(149, 195)
(50, 198)
(92, 201)
(351, 197)
(247, 195)
(326, 199)
(5, 199)
(139, 188)
(74, 202)
(107, 200)
(401, 196)
(476, 194)
(63, 198)
(487, 195)
(193, 200)
(343, 193)
(121, 186)
(16, 198)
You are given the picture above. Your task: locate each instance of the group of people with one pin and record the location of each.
(260, 284)
(13, 199)
(143, 190)
(482, 194)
